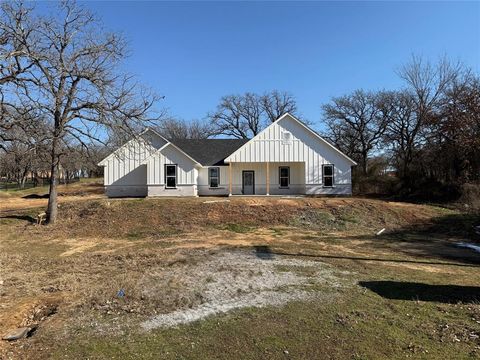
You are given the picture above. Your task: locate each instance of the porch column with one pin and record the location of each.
(268, 179)
(230, 179)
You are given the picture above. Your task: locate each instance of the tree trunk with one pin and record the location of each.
(364, 163)
(52, 196)
(23, 181)
(52, 207)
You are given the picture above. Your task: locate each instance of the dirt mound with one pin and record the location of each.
(143, 218)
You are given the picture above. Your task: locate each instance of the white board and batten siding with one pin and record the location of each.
(187, 173)
(125, 173)
(300, 144)
(138, 167)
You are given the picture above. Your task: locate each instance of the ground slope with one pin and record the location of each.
(253, 278)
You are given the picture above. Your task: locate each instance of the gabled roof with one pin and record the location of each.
(209, 152)
(137, 137)
(104, 161)
(307, 128)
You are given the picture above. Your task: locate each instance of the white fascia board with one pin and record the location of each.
(197, 164)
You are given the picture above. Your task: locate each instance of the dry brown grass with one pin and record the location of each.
(144, 245)
(38, 197)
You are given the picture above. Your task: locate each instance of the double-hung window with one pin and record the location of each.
(214, 176)
(327, 175)
(170, 176)
(284, 176)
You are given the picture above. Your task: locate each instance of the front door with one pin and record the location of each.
(248, 182)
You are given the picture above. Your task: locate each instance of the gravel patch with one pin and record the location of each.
(239, 279)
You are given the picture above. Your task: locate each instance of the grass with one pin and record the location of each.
(359, 325)
(407, 293)
(29, 189)
(236, 228)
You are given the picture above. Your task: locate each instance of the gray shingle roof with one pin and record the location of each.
(209, 152)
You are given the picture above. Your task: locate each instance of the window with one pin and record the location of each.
(284, 173)
(170, 176)
(327, 171)
(214, 176)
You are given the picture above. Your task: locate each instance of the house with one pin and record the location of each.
(286, 158)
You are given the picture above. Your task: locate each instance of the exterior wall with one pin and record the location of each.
(297, 176)
(304, 146)
(341, 189)
(204, 186)
(133, 184)
(180, 190)
(113, 191)
(120, 167)
(187, 173)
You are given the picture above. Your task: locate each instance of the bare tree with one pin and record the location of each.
(413, 110)
(74, 83)
(180, 129)
(15, 26)
(244, 116)
(404, 132)
(455, 132)
(428, 82)
(356, 124)
(238, 116)
(277, 103)
(16, 162)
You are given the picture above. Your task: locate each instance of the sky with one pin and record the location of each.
(194, 53)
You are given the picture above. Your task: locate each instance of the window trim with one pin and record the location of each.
(175, 176)
(217, 177)
(280, 177)
(332, 176)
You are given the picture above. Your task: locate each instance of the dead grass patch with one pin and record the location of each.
(113, 264)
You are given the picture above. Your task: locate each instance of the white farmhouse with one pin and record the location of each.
(286, 158)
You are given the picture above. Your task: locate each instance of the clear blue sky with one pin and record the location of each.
(194, 53)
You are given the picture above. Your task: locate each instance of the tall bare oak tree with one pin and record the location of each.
(72, 79)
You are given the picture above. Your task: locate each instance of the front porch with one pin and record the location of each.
(271, 178)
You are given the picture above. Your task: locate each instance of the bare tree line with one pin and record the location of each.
(239, 116)
(59, 73)
(429, 130)
(244, 116)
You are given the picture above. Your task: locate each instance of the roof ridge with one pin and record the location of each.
(209, 152)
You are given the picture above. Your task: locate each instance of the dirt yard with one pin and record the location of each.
(254, 278)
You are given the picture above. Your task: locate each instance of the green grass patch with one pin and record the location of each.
(351, 218)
